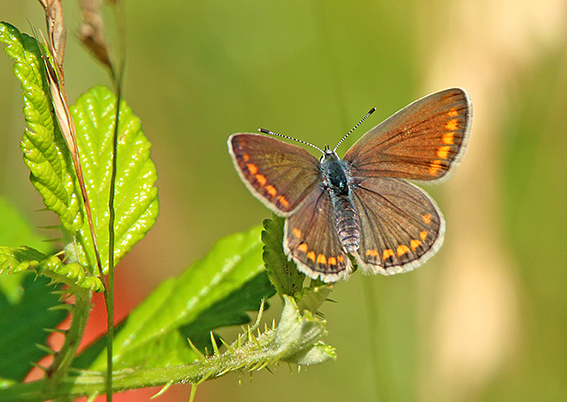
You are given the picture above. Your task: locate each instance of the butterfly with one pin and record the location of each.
(361, 208)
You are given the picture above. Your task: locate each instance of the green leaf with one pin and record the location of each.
(154, 332)
(283, 273)
(20, 259)
(136, 197)
(24, 325)
(229, 311)
(298, 339)
(45, 152)
(48, 159)
(25, 302)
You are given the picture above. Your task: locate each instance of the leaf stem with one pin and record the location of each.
(297, 339)
(63, 359)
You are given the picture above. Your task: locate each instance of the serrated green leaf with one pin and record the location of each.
(300, 337)
(23, 327)
(297, 339)
(49, 161)
(24, 302)
(152, 335)
(136, 200)
(21, 259)
(229, 311)
(283, 273)
(45, 152)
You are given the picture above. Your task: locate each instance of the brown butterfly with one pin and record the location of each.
(362, 204)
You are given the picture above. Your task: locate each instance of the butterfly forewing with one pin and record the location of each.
(311, 240)
(400, 225)
(279, 174)
(423, 141)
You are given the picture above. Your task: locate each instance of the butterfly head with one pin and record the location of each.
(328, 154)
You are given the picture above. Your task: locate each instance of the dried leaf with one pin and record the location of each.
(91, 31)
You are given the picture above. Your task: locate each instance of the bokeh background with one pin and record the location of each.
(484, 320)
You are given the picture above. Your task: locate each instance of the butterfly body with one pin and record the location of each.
(337, 182)
(361, 204)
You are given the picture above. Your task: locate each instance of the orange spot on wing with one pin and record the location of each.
(387, 254)
(448, 138)
(452, 125)
(321, 259)
(453, 112)
(423, 234)
(296, 232)
(271, 190)
(246, 157)
(372, 253)
(434, 167)
(340, 258)
(415, 244)
(332, 261)
(311, 255)
(283, 201)
(302, 247)
(426, 219)
(253, 169)
(402, 249)
(261, 179)
(443, 152)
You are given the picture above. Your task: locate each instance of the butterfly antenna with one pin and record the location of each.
(355, 127)
(263, 130)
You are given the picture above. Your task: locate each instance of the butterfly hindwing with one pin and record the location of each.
(279, 174)
(423, 141)
(310, 238)
(400, 225)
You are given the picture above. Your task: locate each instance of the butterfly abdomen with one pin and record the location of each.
(347, 222)
(336, 180)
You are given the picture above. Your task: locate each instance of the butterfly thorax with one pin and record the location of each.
(336, 178)
(335, 173)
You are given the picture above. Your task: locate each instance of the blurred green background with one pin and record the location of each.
(484, 320)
